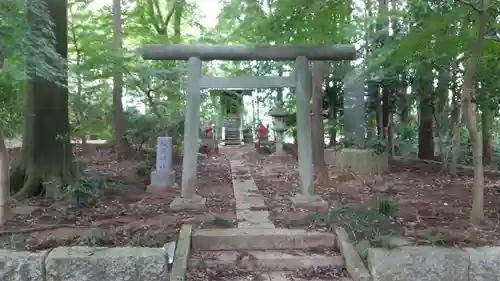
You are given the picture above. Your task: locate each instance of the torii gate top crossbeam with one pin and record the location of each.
(244, 52)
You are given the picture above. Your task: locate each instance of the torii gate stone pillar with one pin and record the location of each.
(196, 81)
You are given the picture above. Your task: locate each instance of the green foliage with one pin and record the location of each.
(142, 168)
(379, 146)
(386, 206)
(11, 112)
(83, 188)
(223, 223)
(145, 128)
(26, 50)
(406, 133)
(362, 221)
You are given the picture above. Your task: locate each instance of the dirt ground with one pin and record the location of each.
(320, 273)
(123, 213)
(430, 206)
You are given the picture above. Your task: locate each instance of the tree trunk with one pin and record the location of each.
(425, 135)
(456, 116)
(4, 173)
(379, 117)
(4, 181)
(469, 109)
(441, 114)
(46, 153)
(318, 130)
(456, 137)
(118, 114)
(333, 133)
(386, 115)
(332, 99)
(179, 9)
(423, 86)
(486, 118)
(404, 112)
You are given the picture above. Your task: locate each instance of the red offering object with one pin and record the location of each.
(262, 130)
(208, 130)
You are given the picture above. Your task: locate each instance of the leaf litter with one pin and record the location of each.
(432, 207)
(122, 212)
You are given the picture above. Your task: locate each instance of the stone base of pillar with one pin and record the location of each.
(194, 203)
(278, 154)
(162, 180)
(313, 202)
(363, 161)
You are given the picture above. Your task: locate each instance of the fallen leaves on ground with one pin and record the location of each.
(130, 217)
(429, 201)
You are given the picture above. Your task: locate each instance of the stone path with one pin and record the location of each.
(248, 198)
(256, 245)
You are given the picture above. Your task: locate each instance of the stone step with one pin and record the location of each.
(235, 127)
(260, 239)
(232, 142)
(288, 276)
(267, 276)
(265, 261)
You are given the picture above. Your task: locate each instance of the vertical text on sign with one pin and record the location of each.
(164, 153)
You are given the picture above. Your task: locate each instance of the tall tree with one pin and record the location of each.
(118, 113)
(469, 109)
(46, 155)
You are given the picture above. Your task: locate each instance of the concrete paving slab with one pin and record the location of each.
(247, 196)
(260, 239)
(265, 261)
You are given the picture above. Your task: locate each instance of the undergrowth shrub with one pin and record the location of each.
(142, 168)
(362, 222)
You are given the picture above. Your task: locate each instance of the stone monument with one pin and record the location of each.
(163, 177)
(354, 108)
(356, 157)
(278, 113)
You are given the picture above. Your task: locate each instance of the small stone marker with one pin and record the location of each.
(163, 176)
(164, 153)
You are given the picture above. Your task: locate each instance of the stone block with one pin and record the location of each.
(182, 253)
(162, 179)
(25, 210)
(353, 262)
(418, 264)
(264, 261)
(106, 264)
(21, 266)
(285, 276)
(363, 161)
(260, 239)
(253, 219)
(313, 202)
(484, 263)
(194, 203)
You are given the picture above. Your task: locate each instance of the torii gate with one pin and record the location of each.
(196, 81)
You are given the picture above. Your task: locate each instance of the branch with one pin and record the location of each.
(152, 14)
(492, 38)
(470, 5)
(169, 16)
